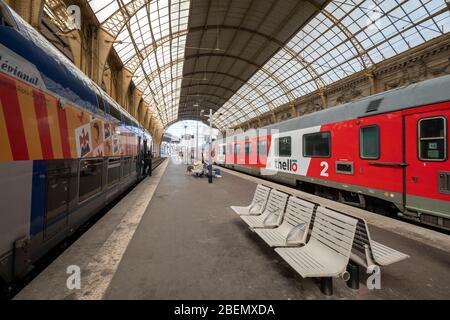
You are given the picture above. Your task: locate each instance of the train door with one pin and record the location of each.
(139, 156)
(427, 178)
(247, 152)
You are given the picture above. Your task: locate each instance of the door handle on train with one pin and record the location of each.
(389, 164)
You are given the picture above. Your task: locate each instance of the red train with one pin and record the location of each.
(387, 153)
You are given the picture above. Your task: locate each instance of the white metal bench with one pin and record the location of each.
(327, 253)
(258, 204)
(367, 252)
(273, 213)
(295, 227)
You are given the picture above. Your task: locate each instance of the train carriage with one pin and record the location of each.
(387, 153)
(66, 148)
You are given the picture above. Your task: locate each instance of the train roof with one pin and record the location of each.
(427, 92)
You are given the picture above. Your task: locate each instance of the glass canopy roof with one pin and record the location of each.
(150, 37)
(346, 37)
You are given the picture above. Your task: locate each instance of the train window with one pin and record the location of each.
(90, 182)
(230, 149)
(369, 142)
(5, 18)
(237, 149)
(317, 145)
(57, 194)
(113, 171)
(115, 113)
(223, 149)
(2, 20)
(262, 148)
(433, 139)
(283, 146)
(248, 148)
(126, 167)
(100, 103)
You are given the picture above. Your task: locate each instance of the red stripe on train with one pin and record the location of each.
(40, 106)
(64, 131)
(13, 119)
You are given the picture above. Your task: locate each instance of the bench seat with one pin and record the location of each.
(258, 204)
(384, 255)
(328, 251)
(273, 213)
(295, 227)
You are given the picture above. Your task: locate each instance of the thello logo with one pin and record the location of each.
(286, 165)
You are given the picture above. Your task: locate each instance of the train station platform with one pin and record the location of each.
(175, 237)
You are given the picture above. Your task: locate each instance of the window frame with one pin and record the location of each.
(237, 149)
(277, 146)
(222, 149)
(361, 145)
(123, 165)
(258, 147)
(102, 161)
(114, 161)
(420, 139)
(248, 147)
(230, 149)
(315, 133)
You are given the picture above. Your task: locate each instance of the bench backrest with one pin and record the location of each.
(276, 203)
(334, 230)
(362, 236)
(299, 211)
(261, 195)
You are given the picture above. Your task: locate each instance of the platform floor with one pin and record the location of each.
(182, 241)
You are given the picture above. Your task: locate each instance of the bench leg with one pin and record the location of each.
(326, 286)
(353, 282)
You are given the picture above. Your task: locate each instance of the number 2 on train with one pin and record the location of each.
(324, 172)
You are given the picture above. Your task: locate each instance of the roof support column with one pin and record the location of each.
(102, 45)
(293, 109)
(74, 39)
(324, 98)
(373, 83)
(125, 77)
(137, 97)
(274, 117)
(157, 139)
(30, 10)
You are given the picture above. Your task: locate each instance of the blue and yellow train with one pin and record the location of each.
(66, 148)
